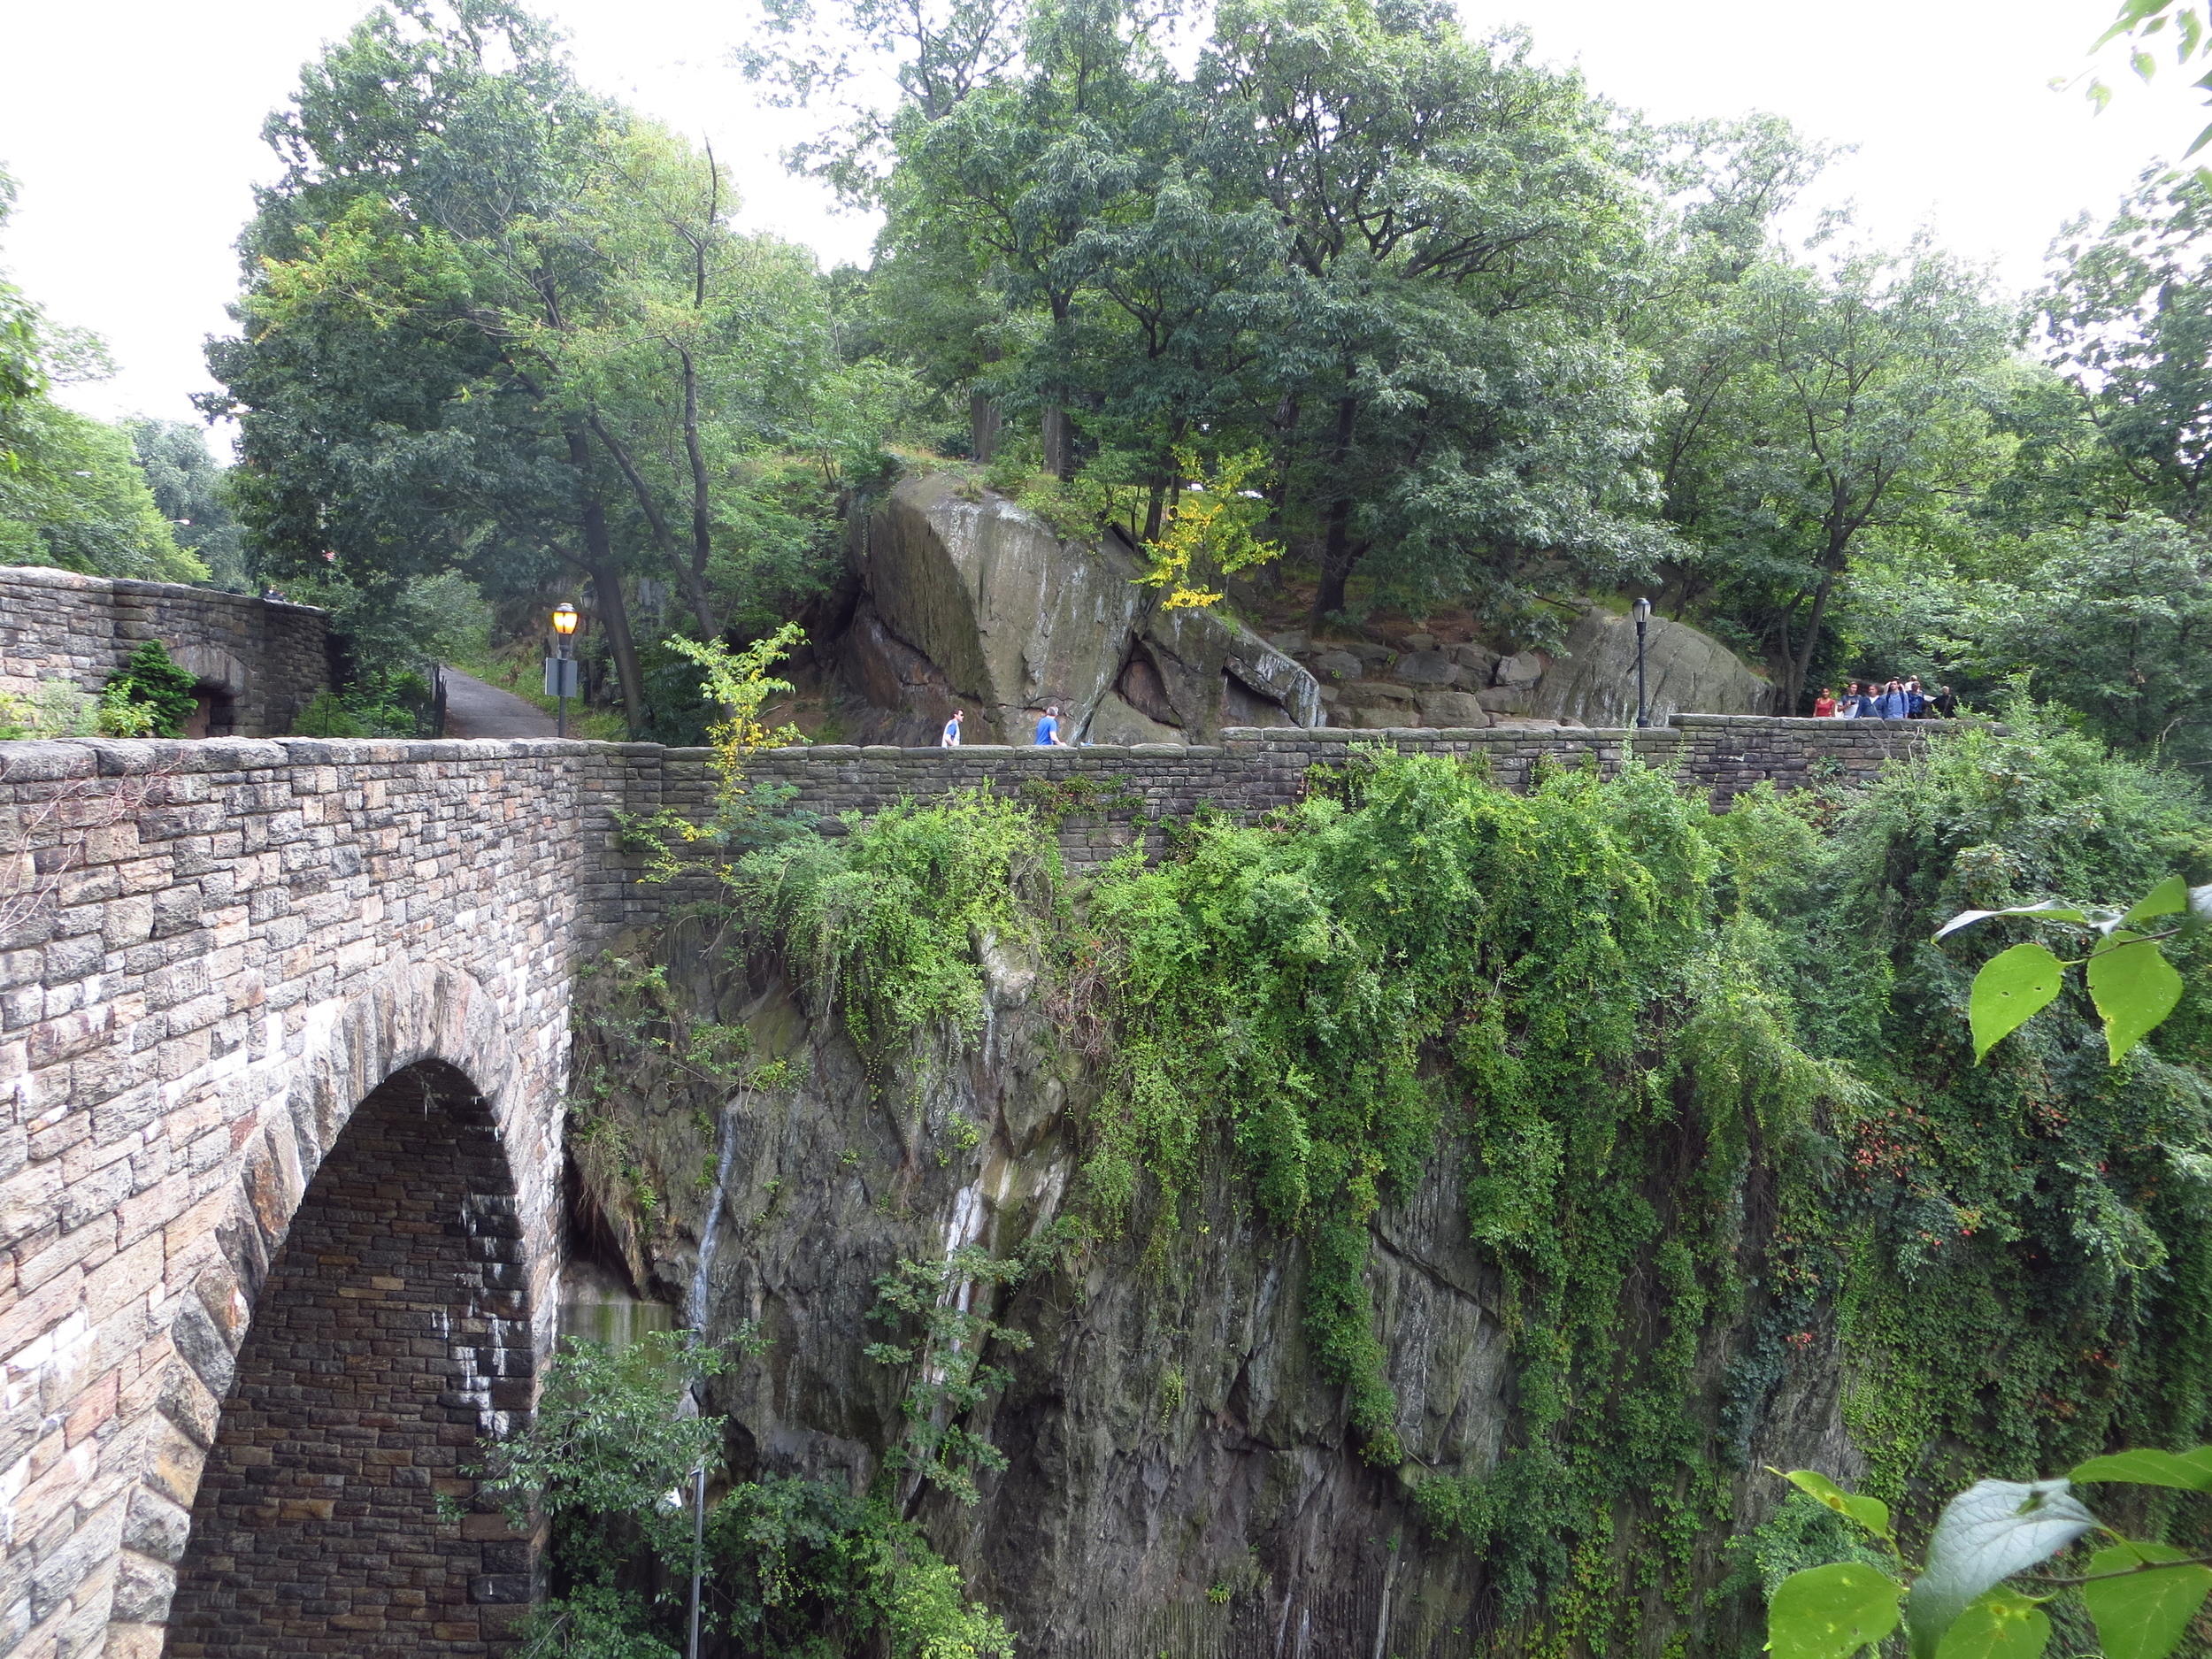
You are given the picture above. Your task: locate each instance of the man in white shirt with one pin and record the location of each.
(950, 738)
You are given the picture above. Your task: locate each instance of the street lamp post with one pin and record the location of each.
(698, 1547)
(560, 670)
(1643, 616)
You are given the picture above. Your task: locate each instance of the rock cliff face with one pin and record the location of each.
(969, 602)
(1179, 1479)
(1592, 677)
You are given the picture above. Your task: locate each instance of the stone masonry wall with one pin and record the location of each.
(212, 953)
(375, 1361)
(1255, 770)
(209, 954)
(266, 660)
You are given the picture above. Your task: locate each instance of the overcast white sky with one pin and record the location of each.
(131, 127)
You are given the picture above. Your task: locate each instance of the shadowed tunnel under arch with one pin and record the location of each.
(392, 1331)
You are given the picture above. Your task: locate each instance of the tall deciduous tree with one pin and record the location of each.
(493, 322)
(189, 487)
(2128, 317)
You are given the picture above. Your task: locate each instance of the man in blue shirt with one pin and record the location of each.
(1049, 728)
(950, 738)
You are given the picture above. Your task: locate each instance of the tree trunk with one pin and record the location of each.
(1801, 664)
(1059, 450)
(1337, 559)
(1338, 555)
(701, 517)
(983, 422)
(598, 563)
(689, 582)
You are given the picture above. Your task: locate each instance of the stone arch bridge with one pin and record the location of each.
(283, 1039)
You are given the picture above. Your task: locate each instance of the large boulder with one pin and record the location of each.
(1003, 616)
(1218, 673)
(1592, 678)
(1015, 617)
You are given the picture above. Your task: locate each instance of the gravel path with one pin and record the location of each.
(473, 709)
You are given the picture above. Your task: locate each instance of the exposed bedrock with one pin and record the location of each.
(1592, 676)
(1175, 1460)
(970, 602)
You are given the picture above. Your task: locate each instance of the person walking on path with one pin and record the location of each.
(1943, 705)
(1824, 704)
(1049, 728)
(1891, 704)
(950, 738)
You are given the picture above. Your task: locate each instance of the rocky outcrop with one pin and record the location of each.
(969, 600)
(1592, 678)
(1588, 679)
(1180, 1477)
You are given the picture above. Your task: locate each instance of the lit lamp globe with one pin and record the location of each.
(560, 673)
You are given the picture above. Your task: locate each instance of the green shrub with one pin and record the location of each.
(57, 709)
(151, 681)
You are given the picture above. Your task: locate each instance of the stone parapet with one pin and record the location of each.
(258, 662)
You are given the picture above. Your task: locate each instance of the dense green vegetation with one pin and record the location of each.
(1711, 1089)
(1473, 337)
(792, 1567)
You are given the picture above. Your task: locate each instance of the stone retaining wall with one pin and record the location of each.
(258, 662)
(1254, 770)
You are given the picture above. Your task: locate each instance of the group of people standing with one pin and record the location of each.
(1871, 700)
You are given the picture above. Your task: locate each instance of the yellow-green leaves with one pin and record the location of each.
(2001, 1624)
(2130, 980)
(1831, 1612)
(1212, 532)
(2191, 1472)
(2012, 988)
(2134, 987)
(1871, 1513)
(2141, 1603)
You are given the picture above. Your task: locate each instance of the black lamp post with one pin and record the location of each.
(560, 670)
(1643, 616)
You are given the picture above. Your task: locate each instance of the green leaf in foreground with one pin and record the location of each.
(2012, 988)
(2190, 1472)
(2001, 1624)
(2133, 985)
(1831, 1612)
(2143, 1615)
(2169, 897)
(1991, 1530)
(1871, 1513)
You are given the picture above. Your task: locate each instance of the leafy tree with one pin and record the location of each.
(498, 325)
(2115, 621)
(2127, 316)
(22, 358)
(610, 1458)
(72, 495)
(1847, 403)
(187, 487)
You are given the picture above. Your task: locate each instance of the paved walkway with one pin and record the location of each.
(473, 709)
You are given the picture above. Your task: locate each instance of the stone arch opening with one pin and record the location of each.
(392, 1331)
